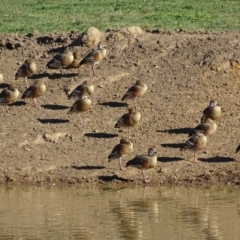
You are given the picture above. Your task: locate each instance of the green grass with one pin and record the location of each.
(24, 16)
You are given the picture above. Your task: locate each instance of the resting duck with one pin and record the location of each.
(124, 148)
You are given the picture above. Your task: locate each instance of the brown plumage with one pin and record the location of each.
(213, 111)
(129, 120)
(8, 95)
(36, 90)
(197, 142)
(77, 58)
(145, 162)
(81, 89)
(137, 90)
(124, 148)
(83, 104)
(26, 70)
(62, 60)
(207, 127)
(95, 57)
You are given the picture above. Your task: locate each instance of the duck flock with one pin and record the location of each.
(198, 137)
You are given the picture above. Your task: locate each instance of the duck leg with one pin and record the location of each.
(135, 105)
(144, 177)
(35, 103)
(7, 108)
(129, 133)
(26, 82)
(94, 71)
(120, 164)
(195, 158)
(81, 121)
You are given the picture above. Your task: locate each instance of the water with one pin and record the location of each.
(119, 213)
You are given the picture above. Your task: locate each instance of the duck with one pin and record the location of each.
(136, 91)
(197, 142)
(27, 69)
(85, 87)
(213, 111)
(129, 120)
(83, 104)
(8, 95)
(95, 57)
(76, 60)
(62, 60)
(207, 127)
(122, 149)
(144, 162)
(36, 90)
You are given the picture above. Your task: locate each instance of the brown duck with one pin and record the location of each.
(27, 69)
(136, 91)
(81, 89)
(83, 104)
(62, 60)
(95, 57)
(207, 127)
(124, 148)
(8, 95)
(129, 120)
(36, 90)
(145, 162)
(213, 111)
(196, 142)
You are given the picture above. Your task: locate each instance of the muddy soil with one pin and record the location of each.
(183, 71)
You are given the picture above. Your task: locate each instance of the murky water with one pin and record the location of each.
(120, 213)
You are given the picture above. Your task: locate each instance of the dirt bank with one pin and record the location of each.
(183, 71)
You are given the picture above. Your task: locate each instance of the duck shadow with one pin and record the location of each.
(217, 159)
(52, 120)
(56, 51)
(64, 75)
(4, 85)
(18, 103)
(55, 107)
(173, 145)
(177, 130)
(112, 178)
(40, 75)
(114, 104)
(169, 159)
(77, 42)
(87, 167)
(101, 135)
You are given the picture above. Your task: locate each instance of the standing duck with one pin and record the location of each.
(124, 148)
(83, 104)
(36, 90)
(76, 60)
(62, 60)
(85, 87)
(129, 120)
(207, 127)
(144, 162)
(137, 90)
(27, 69)
(8, 95)
(196, 142)
(213, 111)
(95, 57)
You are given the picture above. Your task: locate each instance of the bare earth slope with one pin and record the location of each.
(183, 71)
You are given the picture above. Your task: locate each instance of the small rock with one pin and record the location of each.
(91, 37)
(50, 168)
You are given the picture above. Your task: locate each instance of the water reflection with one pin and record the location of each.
(119, 213)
